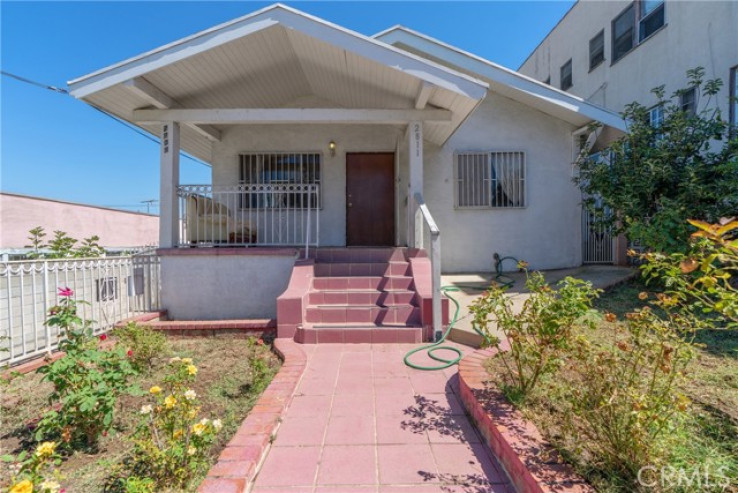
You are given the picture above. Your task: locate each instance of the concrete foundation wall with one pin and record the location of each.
(220, 286)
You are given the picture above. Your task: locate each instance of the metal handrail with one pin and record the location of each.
(435, 257)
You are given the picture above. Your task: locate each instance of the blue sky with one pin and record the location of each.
(54, 146)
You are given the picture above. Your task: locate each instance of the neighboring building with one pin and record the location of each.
(612, 53)
(117, 229)
(322, 137)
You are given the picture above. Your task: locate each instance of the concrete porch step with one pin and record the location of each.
(358, 334)
(361, 297)
(338, 314)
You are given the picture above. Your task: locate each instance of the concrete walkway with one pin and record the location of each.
(361, 421)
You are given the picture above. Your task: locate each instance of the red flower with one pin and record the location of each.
(103, 337)
(130, 353)
(66, 292)
(260, 342)
(104, 433)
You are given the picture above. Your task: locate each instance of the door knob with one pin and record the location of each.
(349, 204)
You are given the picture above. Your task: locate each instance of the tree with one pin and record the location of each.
(37, 241)
(656, 177)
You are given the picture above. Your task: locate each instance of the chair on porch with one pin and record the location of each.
(209, 221)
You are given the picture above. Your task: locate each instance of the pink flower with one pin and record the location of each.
(103, 337)
(260, 342)
(66, 292)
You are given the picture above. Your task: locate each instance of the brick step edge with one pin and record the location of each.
(532, 464)
(241, 458)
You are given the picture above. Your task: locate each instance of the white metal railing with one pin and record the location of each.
(113, 288)
(598, 241)
(422, 214)
(249, 215)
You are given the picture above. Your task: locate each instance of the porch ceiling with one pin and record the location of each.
(283, 59)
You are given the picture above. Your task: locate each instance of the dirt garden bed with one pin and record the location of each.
(227, 383)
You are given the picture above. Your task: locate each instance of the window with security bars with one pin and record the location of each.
(280, 180)
(486, 180)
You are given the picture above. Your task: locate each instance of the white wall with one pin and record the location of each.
(546, 233)
(697, 33)
(223, 287)
(309, 138)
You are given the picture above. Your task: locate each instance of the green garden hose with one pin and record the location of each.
(437, 346)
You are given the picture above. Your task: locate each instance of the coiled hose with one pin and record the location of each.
(444, 363)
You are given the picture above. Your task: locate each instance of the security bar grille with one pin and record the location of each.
(486, 180)
(281, 170)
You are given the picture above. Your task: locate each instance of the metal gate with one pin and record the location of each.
(598, 242)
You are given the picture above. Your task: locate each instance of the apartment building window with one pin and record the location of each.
(635, 24)
(597, 50)
(733, 101)
(566, 79)
(651, 17)
(486, 180)
(688, 101)
(656, 116)
(623, 30)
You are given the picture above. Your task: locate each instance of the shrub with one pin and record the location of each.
(145, 344)
(656, 177)
(171, 444)
(703, 278)
(540, 333)
(87, 381)
(36, 473)
(627, 393)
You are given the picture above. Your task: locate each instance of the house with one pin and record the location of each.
(118, 230)
(614, 53)
(323, 140)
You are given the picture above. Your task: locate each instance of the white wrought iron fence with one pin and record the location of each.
(249, 215)
(112, 288)
(598, 241)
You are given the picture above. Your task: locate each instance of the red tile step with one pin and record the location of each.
(358, 334)
(347, 314)
(361, 297)
(353, 254)
(343, 269)
(343, 283)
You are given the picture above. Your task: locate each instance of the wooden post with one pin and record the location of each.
(415, 184)
(169, 202)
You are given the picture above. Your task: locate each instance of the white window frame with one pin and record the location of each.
(521, 188)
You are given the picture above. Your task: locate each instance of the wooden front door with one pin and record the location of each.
(370, 199)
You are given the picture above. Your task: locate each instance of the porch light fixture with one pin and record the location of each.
(332, 148)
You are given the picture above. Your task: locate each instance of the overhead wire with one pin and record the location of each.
(61, 90)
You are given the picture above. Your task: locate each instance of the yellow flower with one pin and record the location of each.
(24, 486)
(46, 449)
(643, 295)
(177, 434)
(198, 429)
(170, 402)
(187, 361)
(50, 486)
(191, 450)
(192, 413)
(192, 369)
(155, 389)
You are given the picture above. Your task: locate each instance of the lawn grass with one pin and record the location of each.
(705, 437)
(224, 383)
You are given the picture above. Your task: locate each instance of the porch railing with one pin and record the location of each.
(113, 288)
(249, 215)
(423, 215)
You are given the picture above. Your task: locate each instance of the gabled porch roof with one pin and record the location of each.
(261, 65)
(504, 81)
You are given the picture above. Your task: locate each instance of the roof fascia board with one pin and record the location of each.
(292, 19)
(501, 75)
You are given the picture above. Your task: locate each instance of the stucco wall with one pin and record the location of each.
(546, 232)
(222, 287)
(696, 34)
(307, 138)
(19, 214)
